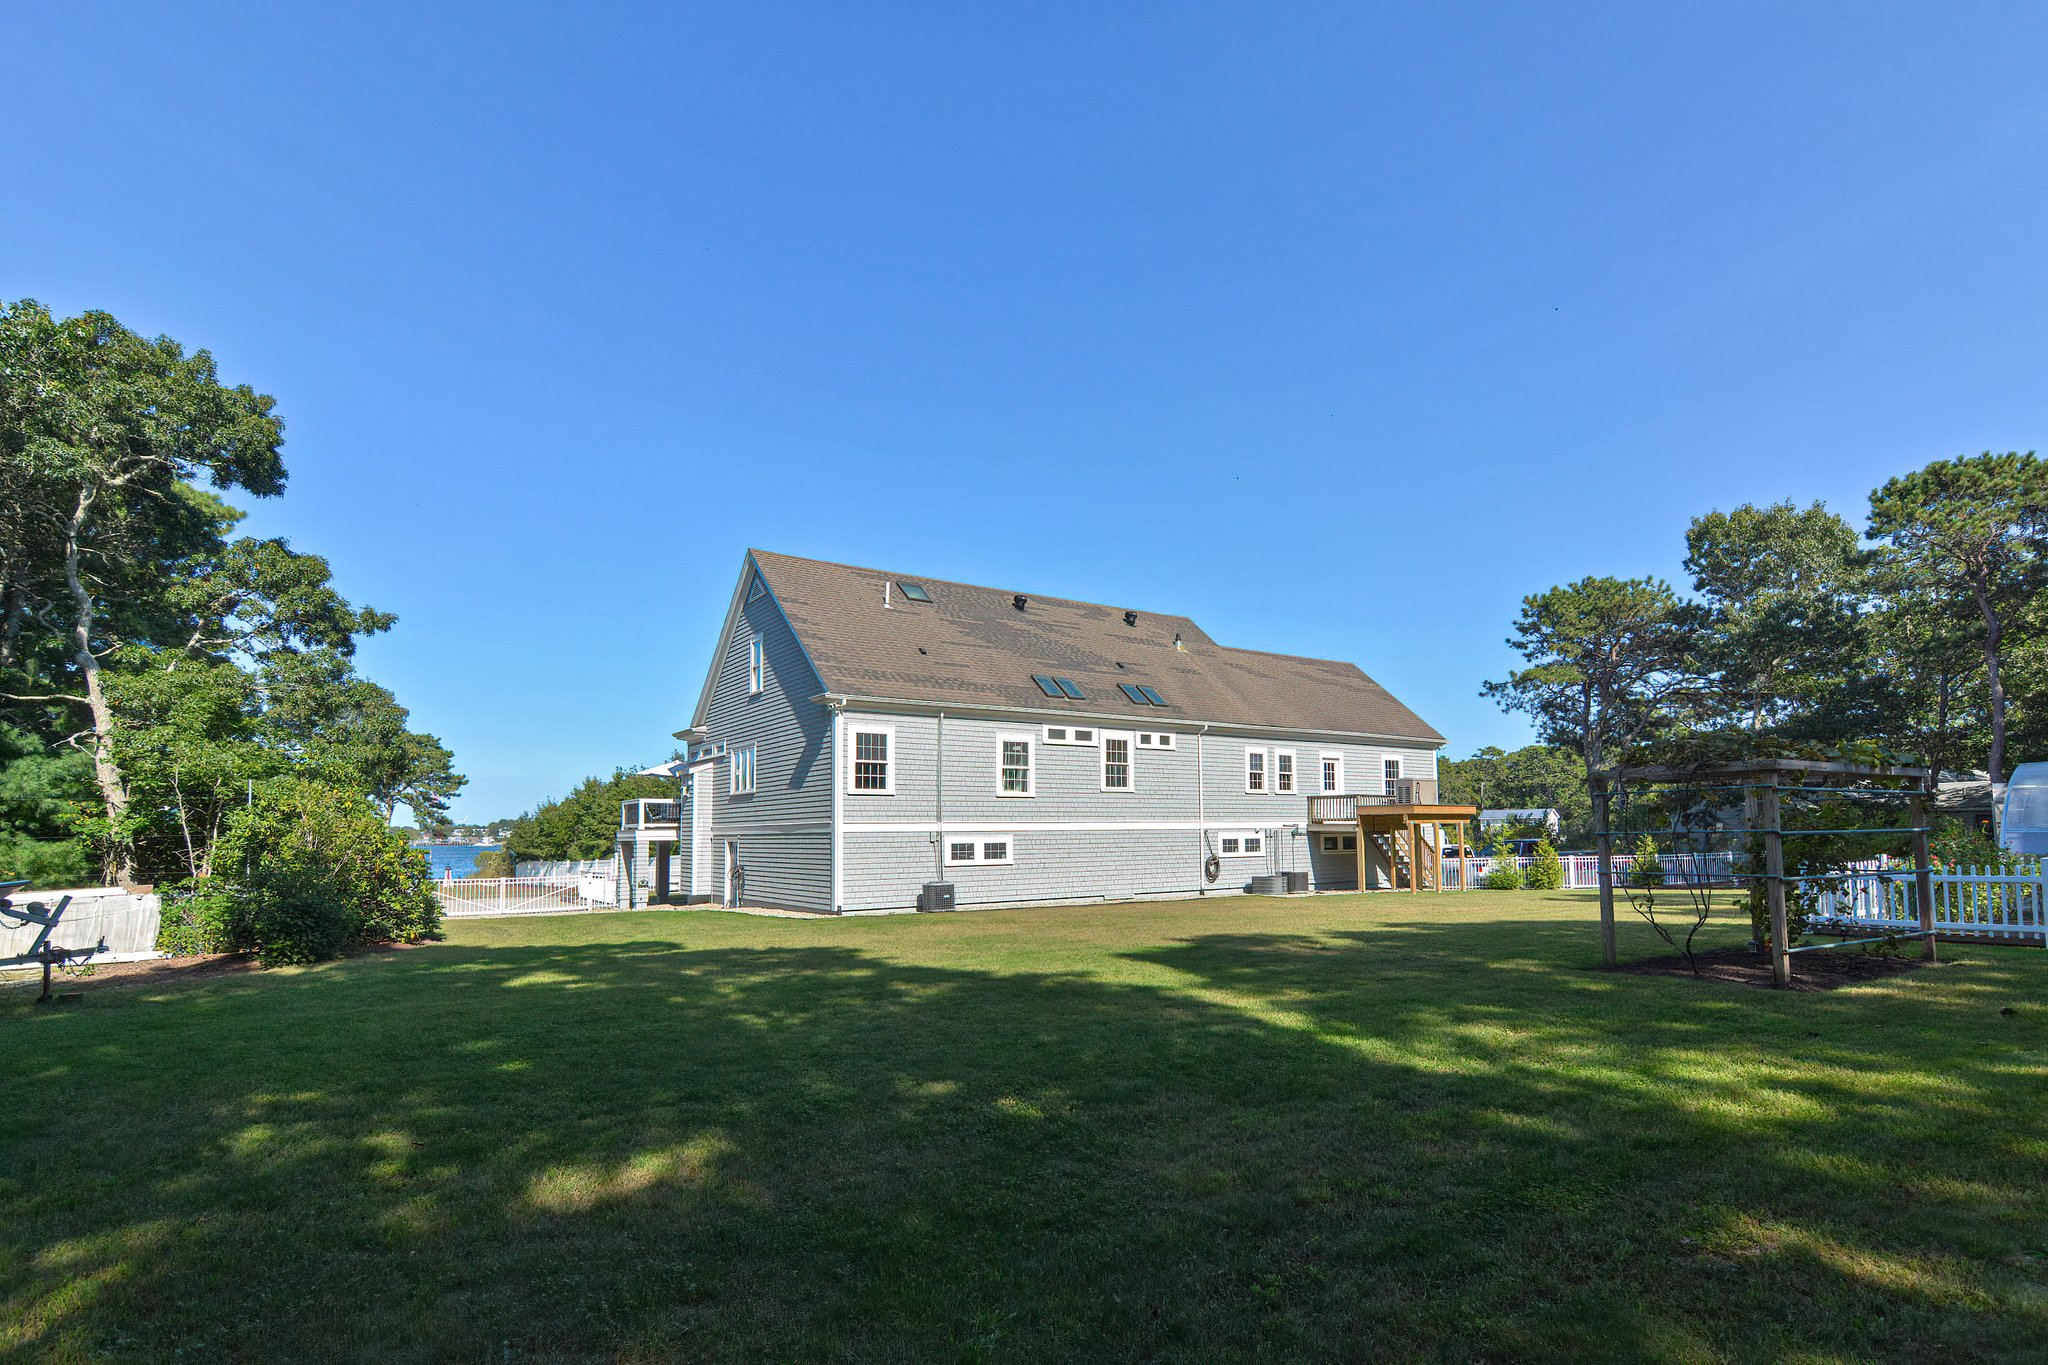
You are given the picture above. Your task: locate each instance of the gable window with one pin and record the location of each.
(871, 769)
(1283, 770)
(1254, 770)
(1241, 844)
(1069, 734)
(757, 666)
(758, 591)
(1333, 772)
(992, 849)
(743, 770)
(1392, 769)
(1116, 763)
(1013, 765)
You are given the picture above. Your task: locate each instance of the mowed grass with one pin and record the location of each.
(1342, 1128)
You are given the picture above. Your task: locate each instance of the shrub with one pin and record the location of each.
(1546, 873)
(1505, 876)
(1645, 870)
(494, 862)
(306, 873)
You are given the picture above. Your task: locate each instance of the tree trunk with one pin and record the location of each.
(120, 865)
(1992, 636)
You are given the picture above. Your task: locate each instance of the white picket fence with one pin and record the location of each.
(479, 897)
(1582, 870)
(2005, 905)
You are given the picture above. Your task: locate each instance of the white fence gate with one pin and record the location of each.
(476, 897)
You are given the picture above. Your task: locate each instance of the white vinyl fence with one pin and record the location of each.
(477, 897)
(125, 921)
(2005, 905)
(1582, 870)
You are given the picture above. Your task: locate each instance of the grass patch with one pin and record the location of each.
(1338, 1128)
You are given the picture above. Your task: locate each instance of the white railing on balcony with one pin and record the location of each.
(647, 812)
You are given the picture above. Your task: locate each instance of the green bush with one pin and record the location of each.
(308, 872)
(1505, 876)
(1547, 872)
(1644, 868)
(494, 862)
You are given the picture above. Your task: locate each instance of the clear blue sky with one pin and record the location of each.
(1338, 328)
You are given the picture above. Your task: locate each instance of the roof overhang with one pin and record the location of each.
(1152, 717)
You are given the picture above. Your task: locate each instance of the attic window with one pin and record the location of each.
(913, 592)
(758, 591)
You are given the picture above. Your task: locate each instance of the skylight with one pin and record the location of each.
(1046, 685)
(1152, 696)
(1141, 695)
(914, 592)
(1067, 686)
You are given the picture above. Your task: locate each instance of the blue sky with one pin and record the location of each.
(1338, 328)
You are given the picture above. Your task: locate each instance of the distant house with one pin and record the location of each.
(1532, 815)
(862, 734)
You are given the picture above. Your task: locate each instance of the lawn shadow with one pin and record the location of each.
(1397, 1142)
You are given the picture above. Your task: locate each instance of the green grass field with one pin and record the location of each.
(1338, 1128)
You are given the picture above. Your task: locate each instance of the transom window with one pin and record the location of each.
(743, 770)
(1069, 734)
(1254, 770)
(1149, 739)
(873, 766)
(979, 848)
(757, 666)
(1241, 844)
(1013, 765)
(1116, 763)
(1283, 770)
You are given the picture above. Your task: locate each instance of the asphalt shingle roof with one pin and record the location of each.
(971, 646)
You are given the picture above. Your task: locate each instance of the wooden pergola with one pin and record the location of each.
(1763, 782)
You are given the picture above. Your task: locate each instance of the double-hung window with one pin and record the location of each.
(1014, 775)
(743, 770)
(1255, 770)
(1333, 772)
(1283, 770)
(871, 760)
(1392, 769)
(1116, 762)
(757, 666)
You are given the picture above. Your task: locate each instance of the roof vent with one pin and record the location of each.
(1177, 644)
(1018, 601)
(1130, 618)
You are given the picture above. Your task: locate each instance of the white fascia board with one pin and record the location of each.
(1118, 720)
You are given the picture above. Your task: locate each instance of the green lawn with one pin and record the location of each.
(1339, 1128)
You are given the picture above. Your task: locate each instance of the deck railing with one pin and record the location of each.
(1343, 808)
(647, 811)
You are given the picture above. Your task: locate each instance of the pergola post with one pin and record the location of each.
(1603, 840)
(1923, 869)
(1774, 883)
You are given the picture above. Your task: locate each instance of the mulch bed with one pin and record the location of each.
(163, 970)
(1810, 971)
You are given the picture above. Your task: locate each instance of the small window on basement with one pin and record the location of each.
(1229, 843)
(914, 592)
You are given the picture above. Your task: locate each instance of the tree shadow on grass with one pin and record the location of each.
(1285, 1147)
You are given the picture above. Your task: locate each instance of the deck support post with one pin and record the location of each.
(1774, 882)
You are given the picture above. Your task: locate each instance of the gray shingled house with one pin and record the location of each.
(863, 734)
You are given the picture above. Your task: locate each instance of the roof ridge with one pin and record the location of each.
(899, 575)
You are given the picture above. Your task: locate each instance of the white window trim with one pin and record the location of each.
(1293, 787)
(854, 730)
(1338, 759)
(980, 839)
(1265, 782)
(1130, 740)
(1155, 739)
(747, 756)
(1386, 782)
(1094, 735)
(1030, 743)
(757, 666)
(1241, 835)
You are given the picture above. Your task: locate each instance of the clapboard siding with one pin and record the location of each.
(788, 815)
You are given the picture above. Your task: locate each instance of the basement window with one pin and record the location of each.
(988, 849)
(1243, 844)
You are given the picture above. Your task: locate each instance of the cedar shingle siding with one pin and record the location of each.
(963, 663)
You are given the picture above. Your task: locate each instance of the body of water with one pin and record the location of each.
(457, 858)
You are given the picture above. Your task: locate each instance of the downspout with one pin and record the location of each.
(839, 771)
(1202, 808)
(939, 836)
